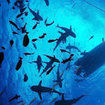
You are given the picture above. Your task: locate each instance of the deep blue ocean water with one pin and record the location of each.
(87, 21)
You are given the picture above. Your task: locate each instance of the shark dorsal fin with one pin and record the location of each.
(70, 27)
(40, 83)
(38, 12)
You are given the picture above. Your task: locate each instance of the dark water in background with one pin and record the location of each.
(85, 20)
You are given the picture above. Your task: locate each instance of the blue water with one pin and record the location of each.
(86, 21)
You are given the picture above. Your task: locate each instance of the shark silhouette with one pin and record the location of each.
(41, 89)
(62, 38)
(68, 102)
(50, 63)
(36, 15)
(59, 80)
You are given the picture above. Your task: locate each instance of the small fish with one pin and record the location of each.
(25, 41)
(55, 85)
(48, 72)
(53, 100)
(25, 78)
(33, 40)
(23, 9)
(13, 7)
(91, 37)
(62, 50)
(52, 40)
(68, 59)
(19, 15)
(16, 97)
(1, 58)
(26, 13)
(41, 102)
(14, 32)
(2, 91)
(35, 25)
(19, 64)
(49, 23)
(44, 34)
(20, 102)
(11, 22)
(11, 42)
(62, 73)
(8, 1)
(3, 47)
(32, 101)
(28, 53)
(24, 28)
(34, 46)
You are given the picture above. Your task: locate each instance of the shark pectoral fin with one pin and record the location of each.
(40, 95)
(40, 83)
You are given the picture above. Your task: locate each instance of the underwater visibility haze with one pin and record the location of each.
(52, 52)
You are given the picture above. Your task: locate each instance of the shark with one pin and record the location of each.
(69, 47)
(36, 15)
(50, 63)
(68, 102)
(41, 89)
(59, 80)
(38, 62)
(68, 32)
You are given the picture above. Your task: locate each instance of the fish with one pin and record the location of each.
(68, 59)
(38, 62)
(16, 97)
(25, 41)
(35, 25)
(68, 32)
(46, 24)
(59, 79)
(13, 7)
(44, 34)
(34, 46)
(37, 17)
(1, 58)
(91, 37)
(50, 63)
(29, 53)
(8, 1)
(69, 47)
(32, 101)
(26, 13)
(19, 15)
(53, 100)
(2, 91)
(48, 72)
(47, 2)
(41, 89)
(68, 102)
(25, 78)
(52, 40)
(62, 50)
(14, 32)
(11, 42)
(20, 102)
(3, 47)
(11, 22)
(19, 64)
(24, 28)
(33, 40)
